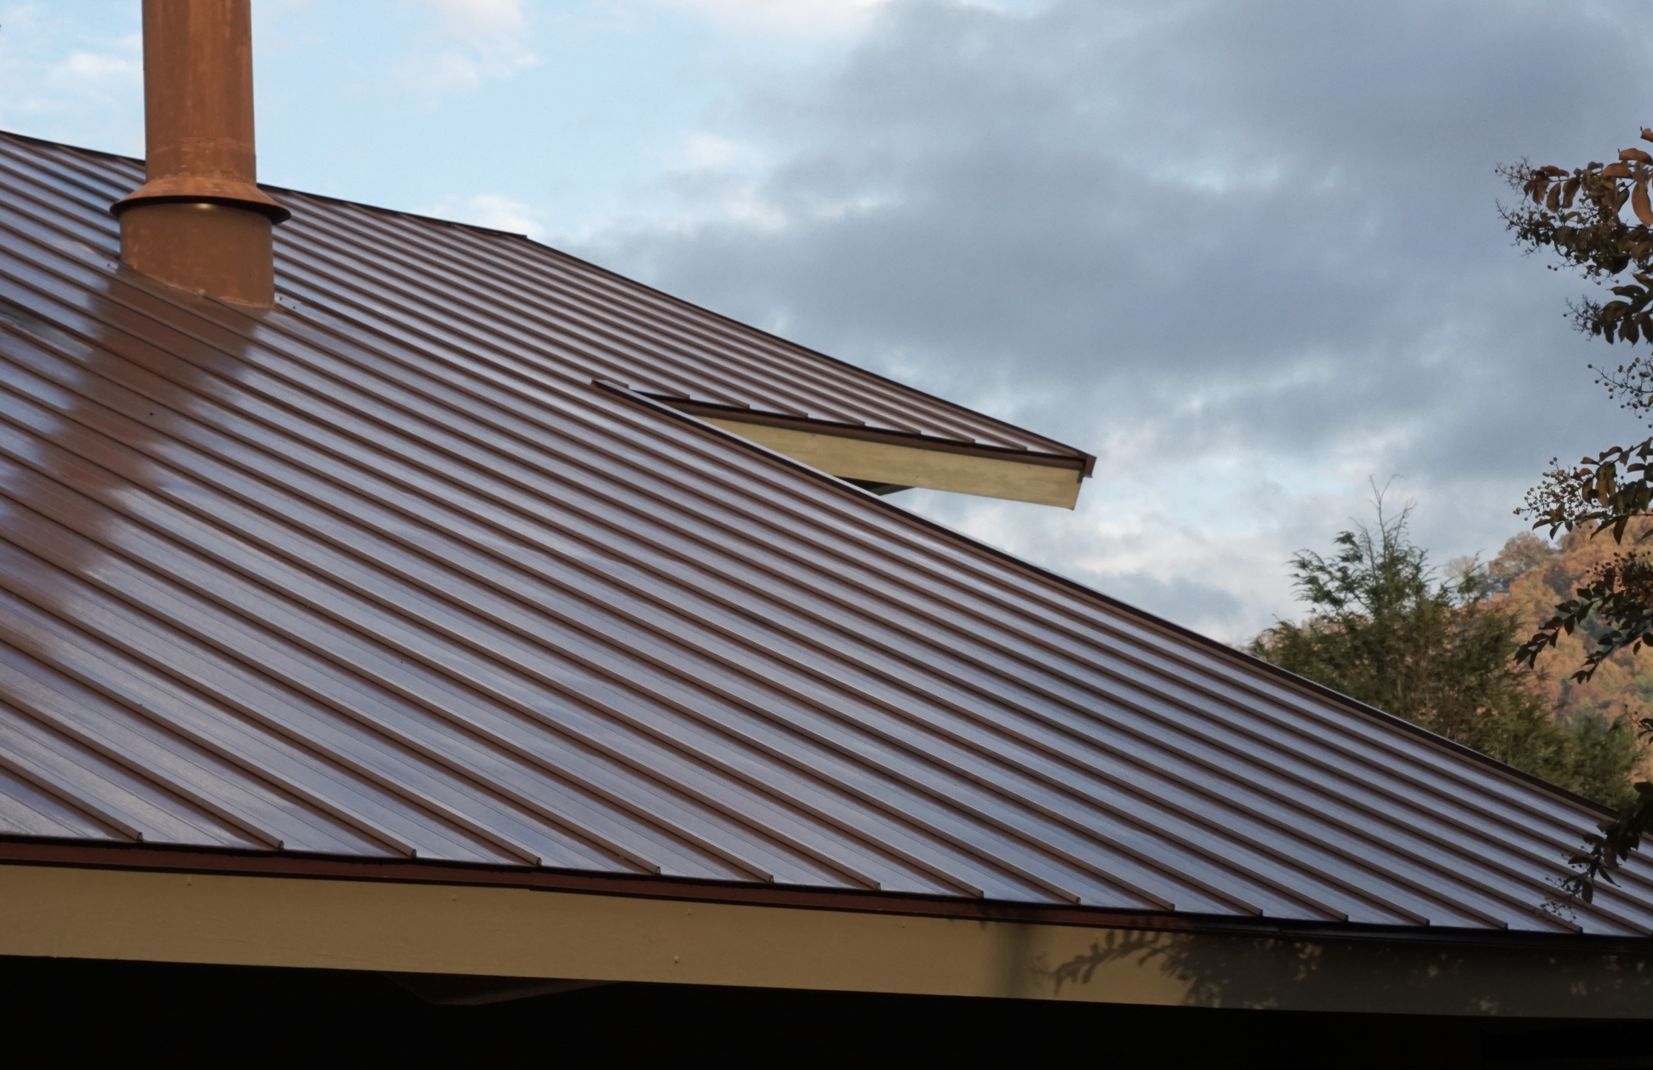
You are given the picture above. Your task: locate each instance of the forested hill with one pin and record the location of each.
(1531, 575)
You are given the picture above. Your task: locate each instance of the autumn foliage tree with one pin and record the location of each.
(1598, 220)
(1529, 576)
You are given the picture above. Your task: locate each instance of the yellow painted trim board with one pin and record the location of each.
(517, 932)
(913, 466)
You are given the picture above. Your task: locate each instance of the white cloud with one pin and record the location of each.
(746, 204)
(1129, 227)
(711, 178)
(492, 210)
(483, 18)
(812, 18)
(475, 41)
(24, 18)
(710, 152)
(795, 17)
(83, 88)
(123, 69)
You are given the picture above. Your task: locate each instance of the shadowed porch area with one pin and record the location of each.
(781, 1025)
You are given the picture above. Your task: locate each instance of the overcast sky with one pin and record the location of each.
(1245, 252)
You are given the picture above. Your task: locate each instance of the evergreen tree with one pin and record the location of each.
(1383, 629)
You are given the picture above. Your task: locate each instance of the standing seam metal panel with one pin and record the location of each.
(439, 594)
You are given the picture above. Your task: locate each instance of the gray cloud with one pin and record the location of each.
(1228, 242)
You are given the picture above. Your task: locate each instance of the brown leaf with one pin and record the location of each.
(1553, 201)
(1647, 134)
(1568, 192)
(1616, 170)
(1639, 203)
(1635, 154)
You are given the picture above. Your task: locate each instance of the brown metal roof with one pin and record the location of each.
(385, 573)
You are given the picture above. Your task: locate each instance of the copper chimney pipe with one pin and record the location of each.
(200, 222)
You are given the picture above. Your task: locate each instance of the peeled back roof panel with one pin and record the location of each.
(384, 572)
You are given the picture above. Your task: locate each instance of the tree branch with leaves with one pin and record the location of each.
(1598, 220)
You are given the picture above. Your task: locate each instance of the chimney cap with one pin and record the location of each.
(196, 189)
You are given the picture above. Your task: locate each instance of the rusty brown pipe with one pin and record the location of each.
(200, 222)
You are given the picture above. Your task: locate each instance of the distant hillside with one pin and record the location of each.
(1531, 575)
